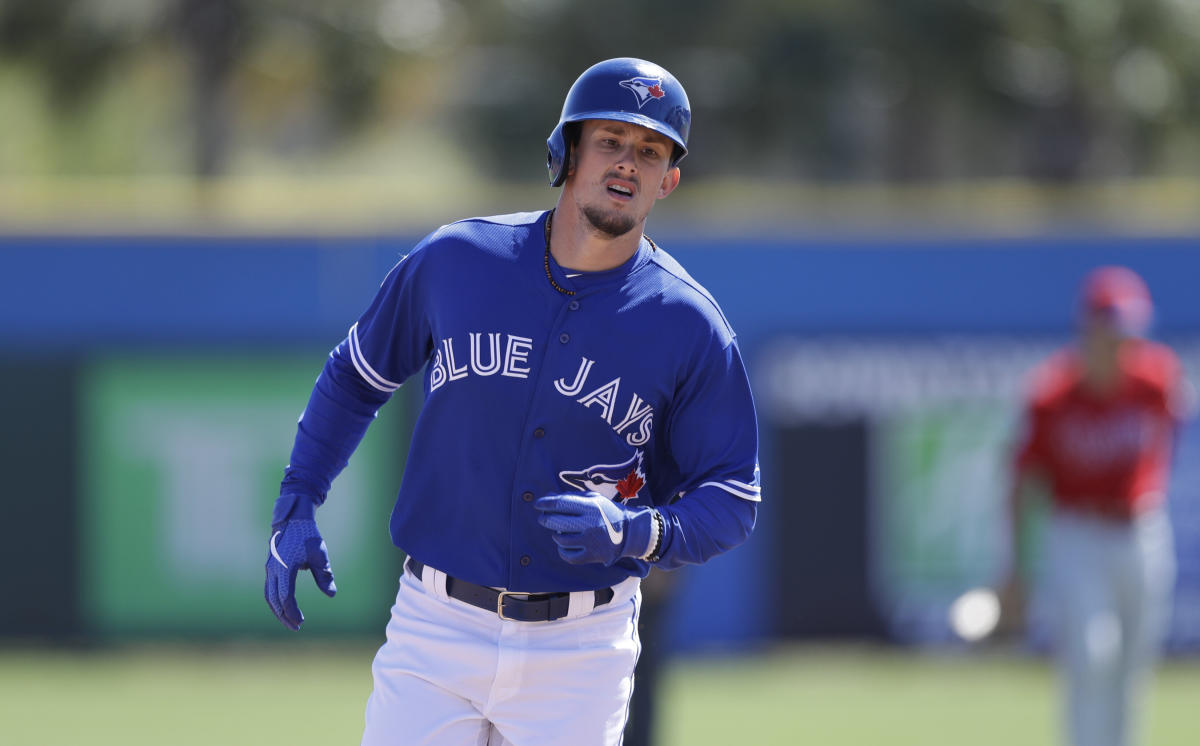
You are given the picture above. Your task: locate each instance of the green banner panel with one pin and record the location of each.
(941, 479)
(182, 458)
(942, 474)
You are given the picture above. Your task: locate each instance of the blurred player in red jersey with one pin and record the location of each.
(1101, 423)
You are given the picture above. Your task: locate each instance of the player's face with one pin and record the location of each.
(1101, 329)
(619, 170)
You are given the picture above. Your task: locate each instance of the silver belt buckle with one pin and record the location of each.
(500, 605)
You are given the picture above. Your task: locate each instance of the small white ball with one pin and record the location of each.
(974, 614)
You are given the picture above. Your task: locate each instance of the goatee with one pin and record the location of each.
(613, 225)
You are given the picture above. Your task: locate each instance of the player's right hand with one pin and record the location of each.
(589, 527)
(295, 545)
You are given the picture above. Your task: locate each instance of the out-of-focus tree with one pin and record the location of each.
(830, 90)
(80, 45)
(1096, 87)
(866, 89)
(214, 33)
(72, 45)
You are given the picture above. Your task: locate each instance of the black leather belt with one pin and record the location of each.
(534, 607)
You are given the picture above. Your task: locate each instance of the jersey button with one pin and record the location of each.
(525, 560)
(564, 338)
(527, 497)
(573, 305)
(539, 433)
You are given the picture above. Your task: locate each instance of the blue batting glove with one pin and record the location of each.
(295, 545)
(589, 527)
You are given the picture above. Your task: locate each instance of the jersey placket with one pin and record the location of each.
(527, 484)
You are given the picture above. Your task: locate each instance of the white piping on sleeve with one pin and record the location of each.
(364, 368)
(745, 491)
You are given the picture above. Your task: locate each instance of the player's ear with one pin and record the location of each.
(669, 182)
(570, 161)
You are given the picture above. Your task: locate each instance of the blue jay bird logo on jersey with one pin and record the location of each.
(644, 89)
(619, 482)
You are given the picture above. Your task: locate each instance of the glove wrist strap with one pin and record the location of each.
(292, 506)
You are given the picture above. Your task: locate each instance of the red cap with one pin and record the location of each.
(1120, 296)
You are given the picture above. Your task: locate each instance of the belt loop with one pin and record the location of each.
(580, 604)
(434, 581)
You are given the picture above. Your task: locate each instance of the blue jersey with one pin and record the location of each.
(626, 382)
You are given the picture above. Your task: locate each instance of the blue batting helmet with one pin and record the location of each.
(628, 90)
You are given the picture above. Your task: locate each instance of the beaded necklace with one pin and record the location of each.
(549, 276)
(546, 260)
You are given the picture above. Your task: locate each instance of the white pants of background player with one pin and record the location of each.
(451, 674)
(1111, 584)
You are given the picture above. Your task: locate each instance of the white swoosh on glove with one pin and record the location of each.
(275, 553)
(613, 534)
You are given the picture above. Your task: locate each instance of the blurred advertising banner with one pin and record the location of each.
(182, 459)
(931, 421)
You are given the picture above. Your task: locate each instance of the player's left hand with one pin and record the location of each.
(589, 527)
(295, 545)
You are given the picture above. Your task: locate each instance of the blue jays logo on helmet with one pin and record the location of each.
(621, 481)
(645, 89)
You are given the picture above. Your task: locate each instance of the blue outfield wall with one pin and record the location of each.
(74, 292)
(86, 297)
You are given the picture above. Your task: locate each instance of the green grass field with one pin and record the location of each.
(301, 695)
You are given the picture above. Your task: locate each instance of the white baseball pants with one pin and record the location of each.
(451, 674)
(1112, 586)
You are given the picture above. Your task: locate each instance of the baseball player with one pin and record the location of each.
(586, 416)
(1101, 422)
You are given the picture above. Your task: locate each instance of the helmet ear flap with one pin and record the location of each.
(556, 156)
(560, 158)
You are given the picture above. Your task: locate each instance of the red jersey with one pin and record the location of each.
(1106, 452)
